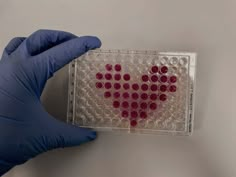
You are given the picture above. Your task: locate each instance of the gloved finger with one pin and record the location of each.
(43, 40)
(13, 45)
(45, 64)
(66, 135)
(4, 168)
(57, 57)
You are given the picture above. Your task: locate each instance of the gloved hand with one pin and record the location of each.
(26, 129)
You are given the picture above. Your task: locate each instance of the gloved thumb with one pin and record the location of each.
(65, 135)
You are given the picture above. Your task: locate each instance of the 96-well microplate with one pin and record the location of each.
(133, 91)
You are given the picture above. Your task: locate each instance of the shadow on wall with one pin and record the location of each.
(54, 97)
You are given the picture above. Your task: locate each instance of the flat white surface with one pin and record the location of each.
(204, 26)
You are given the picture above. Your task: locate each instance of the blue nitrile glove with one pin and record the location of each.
(26, 129)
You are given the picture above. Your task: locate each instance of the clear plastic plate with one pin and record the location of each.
(133, 91)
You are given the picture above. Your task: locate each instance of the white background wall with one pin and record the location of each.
(207, 27)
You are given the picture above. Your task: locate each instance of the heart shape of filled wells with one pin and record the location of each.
(139, 99)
